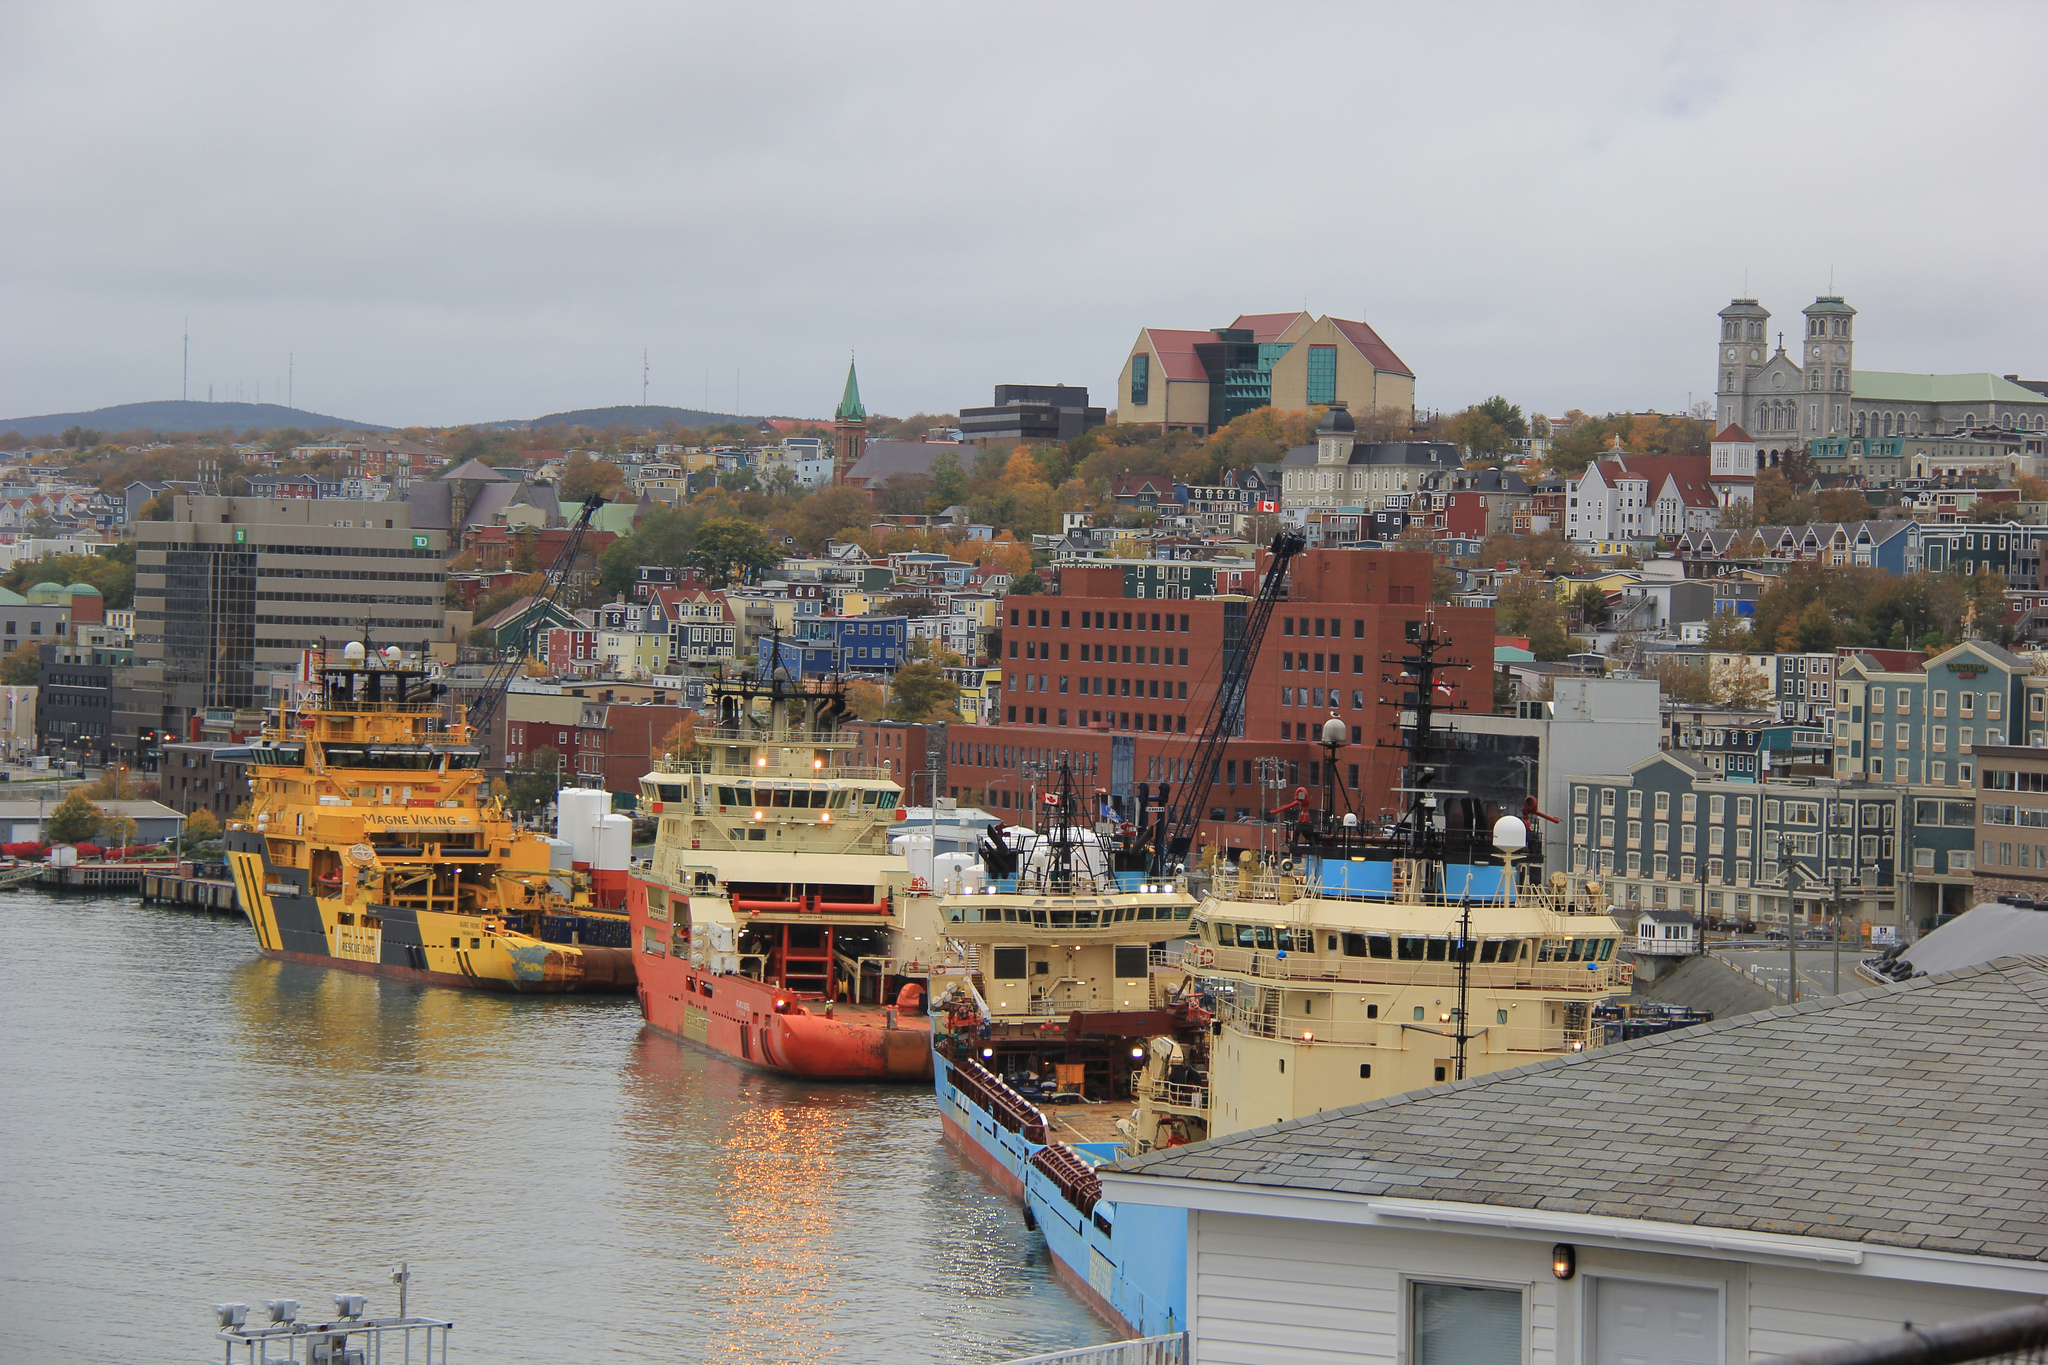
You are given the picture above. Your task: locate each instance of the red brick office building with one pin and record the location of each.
(1120, 688)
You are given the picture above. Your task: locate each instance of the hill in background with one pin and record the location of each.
(649, 418)
(174, 414)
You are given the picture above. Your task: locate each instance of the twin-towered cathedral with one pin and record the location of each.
(1785, 406)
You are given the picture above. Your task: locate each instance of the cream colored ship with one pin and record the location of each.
(1343, 982)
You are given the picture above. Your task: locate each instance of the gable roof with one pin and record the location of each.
(1734, 432)
(1268, 326)
(473, 470)
(1175, 350)
(1371, 347)
(1903, 1117)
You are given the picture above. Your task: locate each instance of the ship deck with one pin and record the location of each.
(1086, 1122)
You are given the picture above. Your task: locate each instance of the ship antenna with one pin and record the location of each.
(1463, 1036)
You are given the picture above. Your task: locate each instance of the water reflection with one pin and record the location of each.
(185, 1122)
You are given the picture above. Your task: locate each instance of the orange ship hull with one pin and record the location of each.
(756, 1023)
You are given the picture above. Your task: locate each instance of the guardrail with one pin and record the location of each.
(1199, 958)
(1166, 1350)
(1174, 1095)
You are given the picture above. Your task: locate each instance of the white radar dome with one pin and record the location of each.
(1510, 835)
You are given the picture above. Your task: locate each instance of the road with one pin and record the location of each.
(1767, 965)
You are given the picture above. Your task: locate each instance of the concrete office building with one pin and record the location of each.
(231, 590)
(1589, 725)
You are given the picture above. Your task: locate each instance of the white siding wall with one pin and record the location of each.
(1274, 1291)
(1800, 1310)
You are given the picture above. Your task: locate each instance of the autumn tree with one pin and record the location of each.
(75, 820)
(1740, 687)
(728, 550)
(583, 476)
(20, 667)
(681, 740)
(531, 783)
(202, 826)
(866, 700)
(1483, 440)
(921, 691)
(1682, 680)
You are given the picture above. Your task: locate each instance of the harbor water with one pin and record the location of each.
(184, 1123)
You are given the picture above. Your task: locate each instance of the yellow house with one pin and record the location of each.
(1199, 380)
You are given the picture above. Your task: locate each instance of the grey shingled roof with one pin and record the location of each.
(1909, 1116)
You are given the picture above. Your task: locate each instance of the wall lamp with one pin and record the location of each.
(1564, 1261)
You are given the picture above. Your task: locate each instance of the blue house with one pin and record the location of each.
(871, 644)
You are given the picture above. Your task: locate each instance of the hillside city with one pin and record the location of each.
(1759, 618)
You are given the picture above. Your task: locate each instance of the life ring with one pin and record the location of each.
(919, 884)
(1205, 956)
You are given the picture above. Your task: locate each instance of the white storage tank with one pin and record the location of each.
(577, 812)
(958, 873)
(614, 844)
(916, 850)
(560, 856)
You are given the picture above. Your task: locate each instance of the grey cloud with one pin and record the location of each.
(465, 212)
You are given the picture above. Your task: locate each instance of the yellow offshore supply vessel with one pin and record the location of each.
(372, 846)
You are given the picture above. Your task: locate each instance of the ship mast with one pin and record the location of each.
(1420, 668)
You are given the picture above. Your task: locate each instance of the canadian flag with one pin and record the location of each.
(1269, 506)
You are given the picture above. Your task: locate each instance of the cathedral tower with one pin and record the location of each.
(1830, 369)
(849, 428)
(1743, 351)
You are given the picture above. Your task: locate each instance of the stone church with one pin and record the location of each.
(1785, 406)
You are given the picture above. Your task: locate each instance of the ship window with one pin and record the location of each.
(1132, 959)
(1365, 1071)
(779, 798)
(1606, 947)
(1411, 949)
(1545, 950)
(1009, 964)
(728, 796)
(1372, 1011)
(1489, 951)
(1578, 948)
(1354, 945)
(1437, 949)
(1262, 935)
(1382, 945)
(671, 791)
(475, 943)
(454, 943)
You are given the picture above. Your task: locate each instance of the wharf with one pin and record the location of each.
(174, 886)
(98, 876)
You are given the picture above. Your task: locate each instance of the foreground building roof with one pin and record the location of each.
(1906, 1117)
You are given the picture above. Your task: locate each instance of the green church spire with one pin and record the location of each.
(850, 409)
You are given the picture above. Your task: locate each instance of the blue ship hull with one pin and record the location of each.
(1130, 1263)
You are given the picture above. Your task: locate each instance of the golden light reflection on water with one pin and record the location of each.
(205, 1126)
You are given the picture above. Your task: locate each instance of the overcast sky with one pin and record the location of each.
(457, 213)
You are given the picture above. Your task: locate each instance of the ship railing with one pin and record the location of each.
(994, 1097)
(1247, 1017)
(345, 1339)
(1175, 1095)
(1171, 1349)
(1582, 897)
(1057, 1006)
(1592, 978)
(774, 734)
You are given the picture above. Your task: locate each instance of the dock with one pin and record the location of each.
(183, 885)
(93, 877)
